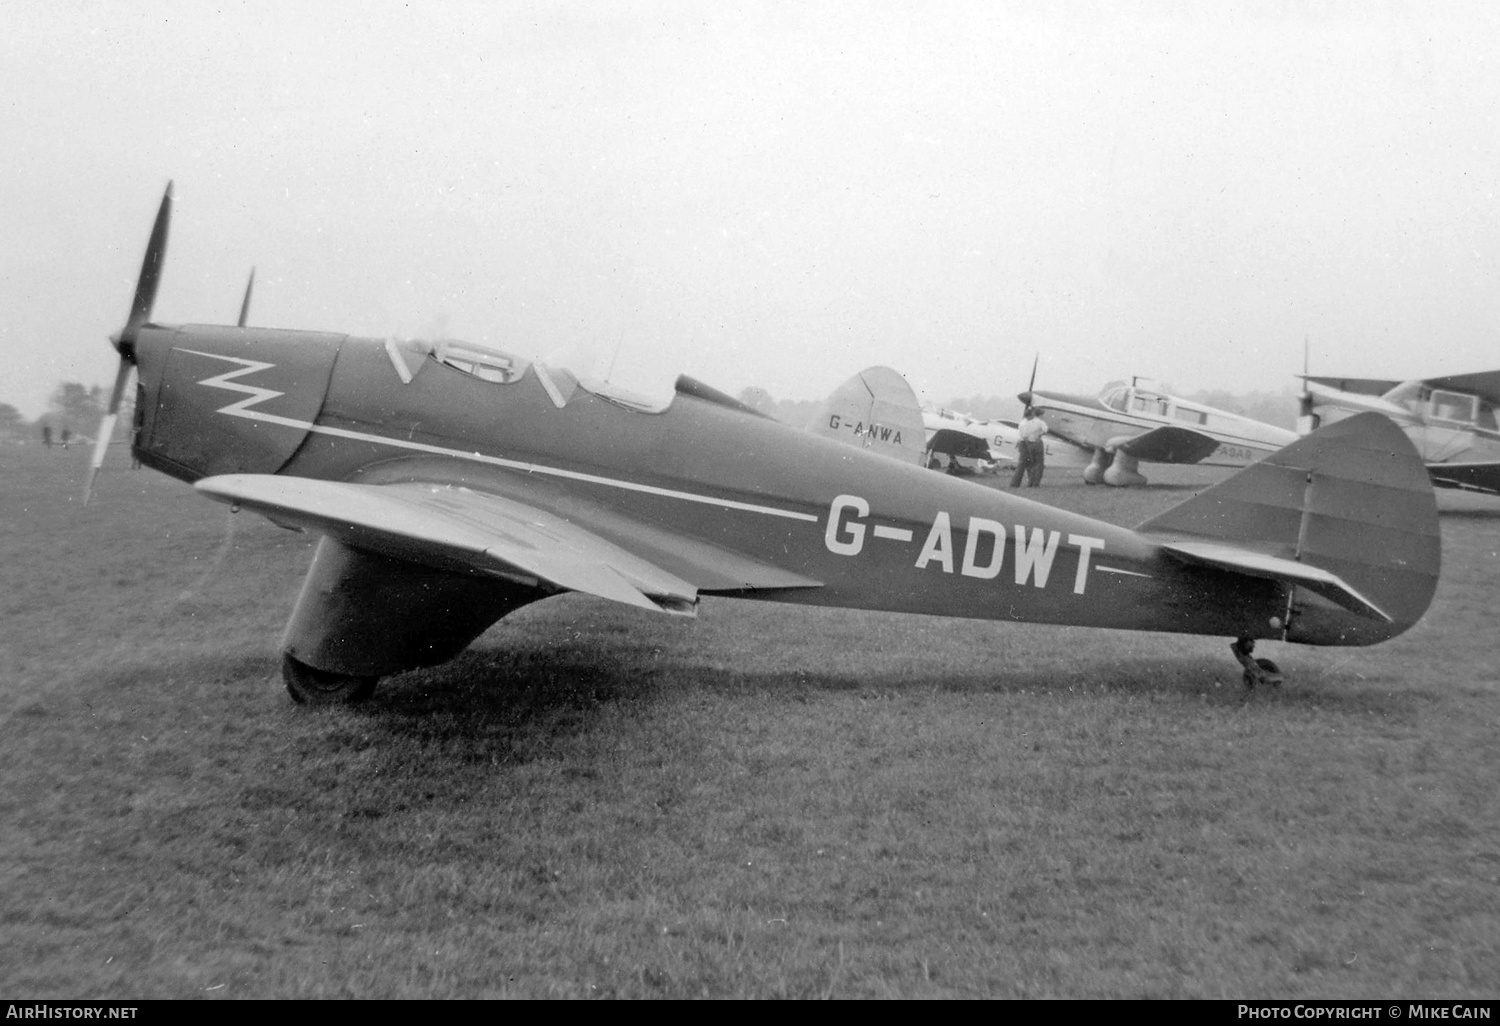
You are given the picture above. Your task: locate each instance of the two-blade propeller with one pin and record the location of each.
(1025, 396)
(124, 342)
(245, 306)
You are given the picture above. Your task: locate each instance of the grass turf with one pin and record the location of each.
(772, 801)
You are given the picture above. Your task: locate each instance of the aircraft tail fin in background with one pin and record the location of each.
(877, 410)
(1351, 505)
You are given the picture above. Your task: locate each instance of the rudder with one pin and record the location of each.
(1352, 498)
(877, 410)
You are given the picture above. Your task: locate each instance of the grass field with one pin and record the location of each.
(769, 801)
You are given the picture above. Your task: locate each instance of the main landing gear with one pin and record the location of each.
(310, 686)
(1257, 671)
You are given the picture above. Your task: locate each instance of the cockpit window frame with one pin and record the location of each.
(492, 365)
(1442, 399)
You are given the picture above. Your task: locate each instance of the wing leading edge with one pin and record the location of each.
(455, 528)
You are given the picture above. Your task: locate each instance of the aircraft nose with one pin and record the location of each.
(1025, 397)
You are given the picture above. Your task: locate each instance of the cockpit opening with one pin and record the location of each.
(503, 368)
(485, 364)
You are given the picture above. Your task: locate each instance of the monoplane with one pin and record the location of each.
(1139, 421)
(1451, 420)
(984, 445)
(452, 483)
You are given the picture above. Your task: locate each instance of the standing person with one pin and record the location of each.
(47, 435)
(1030, 454)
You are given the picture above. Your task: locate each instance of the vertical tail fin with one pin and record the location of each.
(877, 410)
(1352, 499)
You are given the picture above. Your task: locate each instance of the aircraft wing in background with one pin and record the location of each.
(1322, 393)
(1166, 445)
(1485, 384)
(1358, 386)
(955, 442)
(1471, 477)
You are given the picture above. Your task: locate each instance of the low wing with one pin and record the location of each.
(1228, 557)
(456, 528)
(1166, 444)
(1472, 477)
(952, 442)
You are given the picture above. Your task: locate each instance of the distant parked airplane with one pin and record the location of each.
(983, 445)
(1128, 423)
(1451, 420)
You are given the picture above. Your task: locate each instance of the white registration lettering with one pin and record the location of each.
(1086, 547)
(939, 544)
(855, 541)
(979, 526)
(1034, 554)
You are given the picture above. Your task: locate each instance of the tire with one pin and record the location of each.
(1271, 672)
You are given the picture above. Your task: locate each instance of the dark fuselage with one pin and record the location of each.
(874, 533)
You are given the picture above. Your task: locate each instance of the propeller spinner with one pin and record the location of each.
(124, 342)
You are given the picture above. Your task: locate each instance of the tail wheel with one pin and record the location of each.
(1257, 671)
(309, 685)
(1270, 674)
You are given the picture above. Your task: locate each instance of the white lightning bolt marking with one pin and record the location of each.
(260, 395)
(226, 381)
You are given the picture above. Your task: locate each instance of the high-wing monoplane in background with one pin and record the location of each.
(1126, 424)
(452, 483)
(1451, 420)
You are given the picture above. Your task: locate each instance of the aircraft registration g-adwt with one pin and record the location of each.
(1451, 420)
(1127, 423)
(452, 484)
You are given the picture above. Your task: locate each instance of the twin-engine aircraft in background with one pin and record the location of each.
(1126, 424)
(451, 484)
(1451, 420)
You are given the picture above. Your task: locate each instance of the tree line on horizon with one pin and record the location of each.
(73, 407)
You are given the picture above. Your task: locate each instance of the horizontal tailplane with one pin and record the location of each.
(1346, 515)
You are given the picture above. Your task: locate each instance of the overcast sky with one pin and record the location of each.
(772, 194)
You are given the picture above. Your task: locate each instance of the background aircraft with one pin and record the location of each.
(1451, 420)
(452, 484)
(1128, 423)
(876, 410)
(982, 446)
